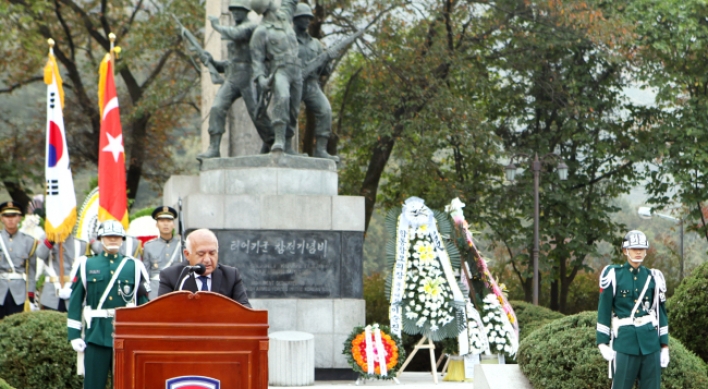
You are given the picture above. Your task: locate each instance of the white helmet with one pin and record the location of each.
(111, 228)
(635, 239)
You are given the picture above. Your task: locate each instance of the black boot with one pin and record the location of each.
(321, 149)
(213, 150)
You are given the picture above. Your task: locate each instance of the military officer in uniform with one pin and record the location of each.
(315, 100)
(18, 262)
(632, 326)
(238, 81)
(103, 283)
(276, 67)
(55, 293)
(164, 251)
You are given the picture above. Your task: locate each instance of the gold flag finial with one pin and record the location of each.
(50, 41)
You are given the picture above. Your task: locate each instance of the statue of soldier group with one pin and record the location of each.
(272, 67)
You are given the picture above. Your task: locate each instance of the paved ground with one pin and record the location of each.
(407, 379)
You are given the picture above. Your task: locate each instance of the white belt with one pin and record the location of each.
(635, 321)
(12, 276)
(100, 313)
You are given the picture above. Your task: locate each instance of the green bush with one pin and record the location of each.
(688, 312)
(35, 352)
(5, 385)
(531, 316)
(563, 355)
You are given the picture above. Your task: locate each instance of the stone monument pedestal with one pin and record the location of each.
(297, 244)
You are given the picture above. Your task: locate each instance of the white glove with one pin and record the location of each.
(65, 293)
(33, 307)
(664, 357)
(78, 345)
(607, 352)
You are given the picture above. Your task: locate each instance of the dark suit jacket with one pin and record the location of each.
(225, 280)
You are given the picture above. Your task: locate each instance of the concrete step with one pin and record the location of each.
(500, 377)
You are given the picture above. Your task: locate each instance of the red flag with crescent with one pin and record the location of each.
(112, 197)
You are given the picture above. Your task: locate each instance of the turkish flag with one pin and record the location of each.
(112, 196)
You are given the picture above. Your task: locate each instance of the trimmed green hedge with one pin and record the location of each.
(688, 312)
(531, 316)
(562, 355)
(35, 352)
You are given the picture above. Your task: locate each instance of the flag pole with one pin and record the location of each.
(50, 41)
(112, 38)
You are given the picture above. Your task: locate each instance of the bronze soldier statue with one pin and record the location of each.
(276, 69)
(315, 100)
(237, 70)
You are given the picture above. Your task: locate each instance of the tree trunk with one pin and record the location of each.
(565, 287)
(17, 193)
(137, 155)
(370, 185)
(554, 295)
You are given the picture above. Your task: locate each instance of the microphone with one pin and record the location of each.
(198, 268)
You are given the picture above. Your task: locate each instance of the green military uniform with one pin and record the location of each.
(638, 340)
(92, 279)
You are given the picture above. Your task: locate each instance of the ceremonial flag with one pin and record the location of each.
(112, 198)
(60, 205)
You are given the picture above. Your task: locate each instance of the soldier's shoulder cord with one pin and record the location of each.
(34, 246)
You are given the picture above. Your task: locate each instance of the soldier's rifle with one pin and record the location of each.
(263, 95)
(182, 240)
(329, 54)
(203, 54)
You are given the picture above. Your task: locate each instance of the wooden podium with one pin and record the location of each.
(184, 334)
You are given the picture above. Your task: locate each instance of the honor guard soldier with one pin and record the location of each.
(632, 326)
(131, 246)
(164, 251)
(18, 262)
(103, 283)
(55, 293)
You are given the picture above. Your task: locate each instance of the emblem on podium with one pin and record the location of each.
(192, 382)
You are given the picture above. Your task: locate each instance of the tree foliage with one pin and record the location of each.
(672, 38)
(156, 84)
(434, 105)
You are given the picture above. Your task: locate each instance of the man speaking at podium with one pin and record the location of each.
(202, 247)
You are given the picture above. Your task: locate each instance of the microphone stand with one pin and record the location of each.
(182, 240)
